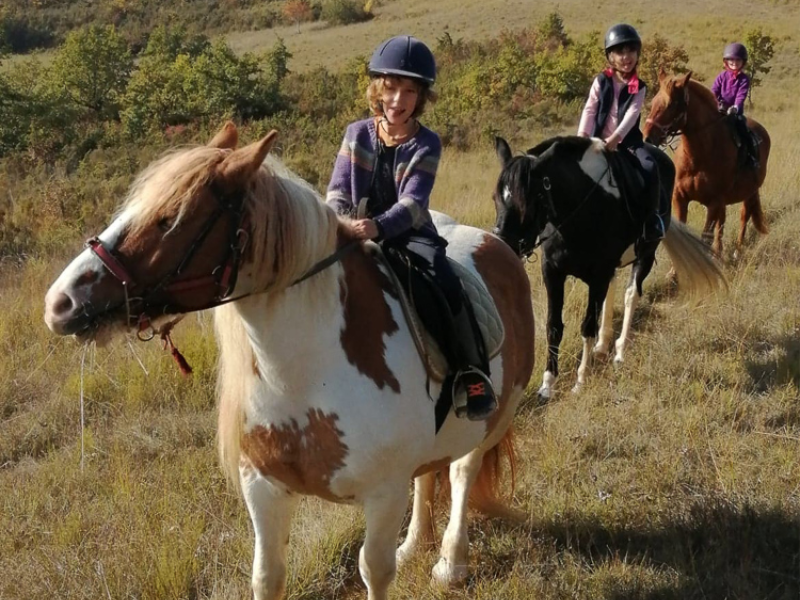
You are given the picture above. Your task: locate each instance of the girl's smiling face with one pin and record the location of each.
(624, 58)
(734, 64)
(399, 98)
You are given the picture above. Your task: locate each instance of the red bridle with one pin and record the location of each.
(220, 281)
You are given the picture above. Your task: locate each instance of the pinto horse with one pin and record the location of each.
(707, 158)
(565, 194)
(322, 391)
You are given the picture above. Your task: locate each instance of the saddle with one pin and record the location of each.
(746, 140)
(630, 177)
(423, 307)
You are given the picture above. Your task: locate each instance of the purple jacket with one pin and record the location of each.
(730, 90)
(416, 161)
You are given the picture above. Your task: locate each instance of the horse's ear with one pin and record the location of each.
(240, 165)
(226, 138)
(686, 78)
(662, 75)
(502, 149)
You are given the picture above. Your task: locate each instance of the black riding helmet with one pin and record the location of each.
(404, 56)
(620, 35)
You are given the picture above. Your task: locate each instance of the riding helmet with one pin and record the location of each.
(405, 56)
(735, 50)
(621, 34)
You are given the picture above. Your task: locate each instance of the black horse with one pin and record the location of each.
(580, 202)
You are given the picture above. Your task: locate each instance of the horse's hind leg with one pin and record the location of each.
(377, 562)
(452, 566)
(633, 293)
(715, 220)
(271, 510)
(606, 322)
(421, 532)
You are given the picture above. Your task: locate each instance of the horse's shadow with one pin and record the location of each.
(718, 551)
(776, 368)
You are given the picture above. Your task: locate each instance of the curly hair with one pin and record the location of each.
(375, 92)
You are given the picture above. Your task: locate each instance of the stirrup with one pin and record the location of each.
(473, 395)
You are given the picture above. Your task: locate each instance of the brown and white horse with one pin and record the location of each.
(322, 391)
(706, 159)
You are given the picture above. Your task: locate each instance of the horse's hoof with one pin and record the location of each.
(577, 388)
(618, 360)
(544, 395)
(445, 575)
(600, 353)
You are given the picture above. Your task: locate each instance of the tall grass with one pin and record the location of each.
(675, 476)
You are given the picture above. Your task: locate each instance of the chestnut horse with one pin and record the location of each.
(707, 158)
(322, 391)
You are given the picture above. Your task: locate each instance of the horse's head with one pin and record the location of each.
(669, 110)
(520, 214)
(174, 246)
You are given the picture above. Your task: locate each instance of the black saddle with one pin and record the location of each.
(429, 302)
(630, 177)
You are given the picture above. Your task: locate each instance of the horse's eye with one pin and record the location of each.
(164, 224)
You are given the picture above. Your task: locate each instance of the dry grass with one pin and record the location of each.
(676, 476)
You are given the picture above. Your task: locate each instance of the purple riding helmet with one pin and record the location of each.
(735, 50)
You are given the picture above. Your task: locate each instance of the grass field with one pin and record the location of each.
(676, 476)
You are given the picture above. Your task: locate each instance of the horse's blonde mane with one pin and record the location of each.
(290, 229)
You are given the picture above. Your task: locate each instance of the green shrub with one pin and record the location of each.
(343, 12)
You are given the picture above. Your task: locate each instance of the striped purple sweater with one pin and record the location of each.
(415, 166)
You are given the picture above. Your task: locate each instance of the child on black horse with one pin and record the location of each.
(731, 88)
(390, 159)
(613, 110)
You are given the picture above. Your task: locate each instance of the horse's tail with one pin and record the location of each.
(695, 265)
(485, 494)
(753, 206)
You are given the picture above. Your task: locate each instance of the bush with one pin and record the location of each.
(343, 12)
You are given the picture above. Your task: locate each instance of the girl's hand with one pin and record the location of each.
(733, 110)
(365, 229)
(612, 142)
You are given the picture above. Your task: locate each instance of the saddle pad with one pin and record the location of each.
(483, 306)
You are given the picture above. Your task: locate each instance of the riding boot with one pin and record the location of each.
(653, 228)
(473, 394)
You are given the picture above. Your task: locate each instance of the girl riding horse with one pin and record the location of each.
(612, 113)
(390, 160)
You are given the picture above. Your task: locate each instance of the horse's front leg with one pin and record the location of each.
(554, 283)
(452, 566)
(377, 561)
(598, 290)
(680, 209)
(606, 322)
(271, 510)
(421, 531)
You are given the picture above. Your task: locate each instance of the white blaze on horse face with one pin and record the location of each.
(74, 288)
(595, 165)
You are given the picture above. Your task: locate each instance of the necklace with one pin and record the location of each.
(397, 138)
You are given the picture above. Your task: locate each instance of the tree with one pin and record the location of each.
(298, 11)
(760, 50)
(91, 71)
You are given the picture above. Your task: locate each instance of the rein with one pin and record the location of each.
(672, 130)
(548, 197)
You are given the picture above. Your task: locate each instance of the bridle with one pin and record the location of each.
(674, 128)
(544, 195)
(221, 280)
